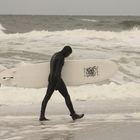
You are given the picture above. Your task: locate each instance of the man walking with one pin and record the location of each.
(55, 82)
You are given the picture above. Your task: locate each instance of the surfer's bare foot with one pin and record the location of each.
(43, 119)
(77, 116)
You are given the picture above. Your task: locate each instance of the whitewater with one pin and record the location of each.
(37, 46)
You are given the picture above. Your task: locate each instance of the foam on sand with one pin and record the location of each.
(12, 95)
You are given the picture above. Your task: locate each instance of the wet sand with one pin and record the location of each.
(104, 120)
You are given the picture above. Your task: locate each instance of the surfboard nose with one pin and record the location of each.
(2, 68)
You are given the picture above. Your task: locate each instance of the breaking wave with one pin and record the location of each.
(83, 93)
(1, 29)
(130, 23)
(122, 47)
(90, 20)
(81, 37)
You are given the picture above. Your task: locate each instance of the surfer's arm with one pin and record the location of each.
(59, 66)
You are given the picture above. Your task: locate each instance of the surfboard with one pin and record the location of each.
(74, 73)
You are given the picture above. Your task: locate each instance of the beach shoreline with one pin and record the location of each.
(104, 119)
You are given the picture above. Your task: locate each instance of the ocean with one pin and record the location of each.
(34, 39)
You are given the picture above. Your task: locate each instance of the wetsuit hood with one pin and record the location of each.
(66, 51)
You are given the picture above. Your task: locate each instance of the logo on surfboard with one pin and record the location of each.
(91, 71)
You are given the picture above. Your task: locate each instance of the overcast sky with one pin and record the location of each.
(70, 7)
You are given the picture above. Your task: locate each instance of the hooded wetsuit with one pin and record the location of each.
(55, 82)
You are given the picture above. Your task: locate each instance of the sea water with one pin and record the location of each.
(34, 39)
(109, 105)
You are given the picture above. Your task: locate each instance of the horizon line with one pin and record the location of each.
(61, 15)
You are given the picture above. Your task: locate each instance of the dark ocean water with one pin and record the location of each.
(22, 24)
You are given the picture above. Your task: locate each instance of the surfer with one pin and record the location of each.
(55, 82)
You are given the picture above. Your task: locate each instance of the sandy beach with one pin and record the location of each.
(104, 119)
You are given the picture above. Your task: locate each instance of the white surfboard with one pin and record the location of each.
(74, 73)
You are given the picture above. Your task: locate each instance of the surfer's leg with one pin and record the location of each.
(49, 93)
(63, 90)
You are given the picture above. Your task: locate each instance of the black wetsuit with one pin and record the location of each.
(55, 82)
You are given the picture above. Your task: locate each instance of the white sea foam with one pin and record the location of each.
(12, 95)
(1, 27)
(122, 47)
(80, 37)
(100, 44)
(90, 20)
(85, 40)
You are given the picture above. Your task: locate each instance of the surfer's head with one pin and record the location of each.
(67, 50)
